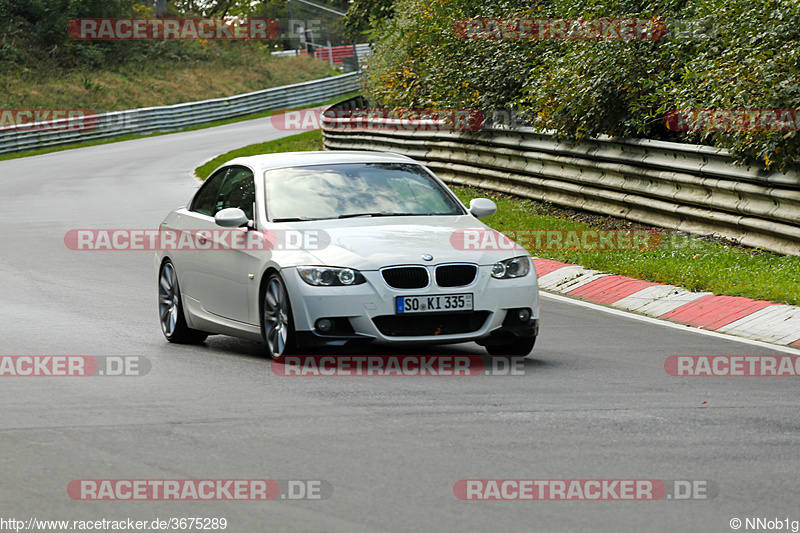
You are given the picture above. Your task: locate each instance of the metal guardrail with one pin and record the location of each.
(692, 188)
(175, 117)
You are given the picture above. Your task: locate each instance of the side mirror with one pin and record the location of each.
(232, 217)
(482, 207)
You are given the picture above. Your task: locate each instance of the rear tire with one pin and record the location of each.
(521, 346)
(170, 309)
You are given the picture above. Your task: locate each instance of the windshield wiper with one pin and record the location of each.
(377, 214)
(296, 219)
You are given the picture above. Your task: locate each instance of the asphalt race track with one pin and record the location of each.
(594, 402)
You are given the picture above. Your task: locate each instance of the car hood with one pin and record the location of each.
(373, 243)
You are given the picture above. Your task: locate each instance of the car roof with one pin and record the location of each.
(298, 159)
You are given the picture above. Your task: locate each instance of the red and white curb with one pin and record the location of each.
(754, 319)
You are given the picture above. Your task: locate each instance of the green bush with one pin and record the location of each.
(744, 54)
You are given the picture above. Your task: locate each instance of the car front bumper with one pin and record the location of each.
(366, 313)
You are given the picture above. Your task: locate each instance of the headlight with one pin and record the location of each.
(516, 267)
(328, 277)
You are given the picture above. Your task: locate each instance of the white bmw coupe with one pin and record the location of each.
(313, 249)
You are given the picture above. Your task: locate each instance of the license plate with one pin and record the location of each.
(433, 304)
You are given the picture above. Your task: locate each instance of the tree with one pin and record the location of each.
(363, 15)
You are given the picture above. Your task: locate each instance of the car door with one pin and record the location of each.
(222, 274)
(183, 231)
(217, 266)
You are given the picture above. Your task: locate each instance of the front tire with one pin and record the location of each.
(170, 309)
(521, 346)
(277, 323)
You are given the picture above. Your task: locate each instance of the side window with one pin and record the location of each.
(230, 187)
(238, 191)
(205, 200)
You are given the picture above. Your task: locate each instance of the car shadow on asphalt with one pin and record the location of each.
(221, 344)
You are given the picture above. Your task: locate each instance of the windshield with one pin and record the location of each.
(355, 189)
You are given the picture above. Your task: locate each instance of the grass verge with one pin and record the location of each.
(169, 80)
(695, 263)
(692, 262)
